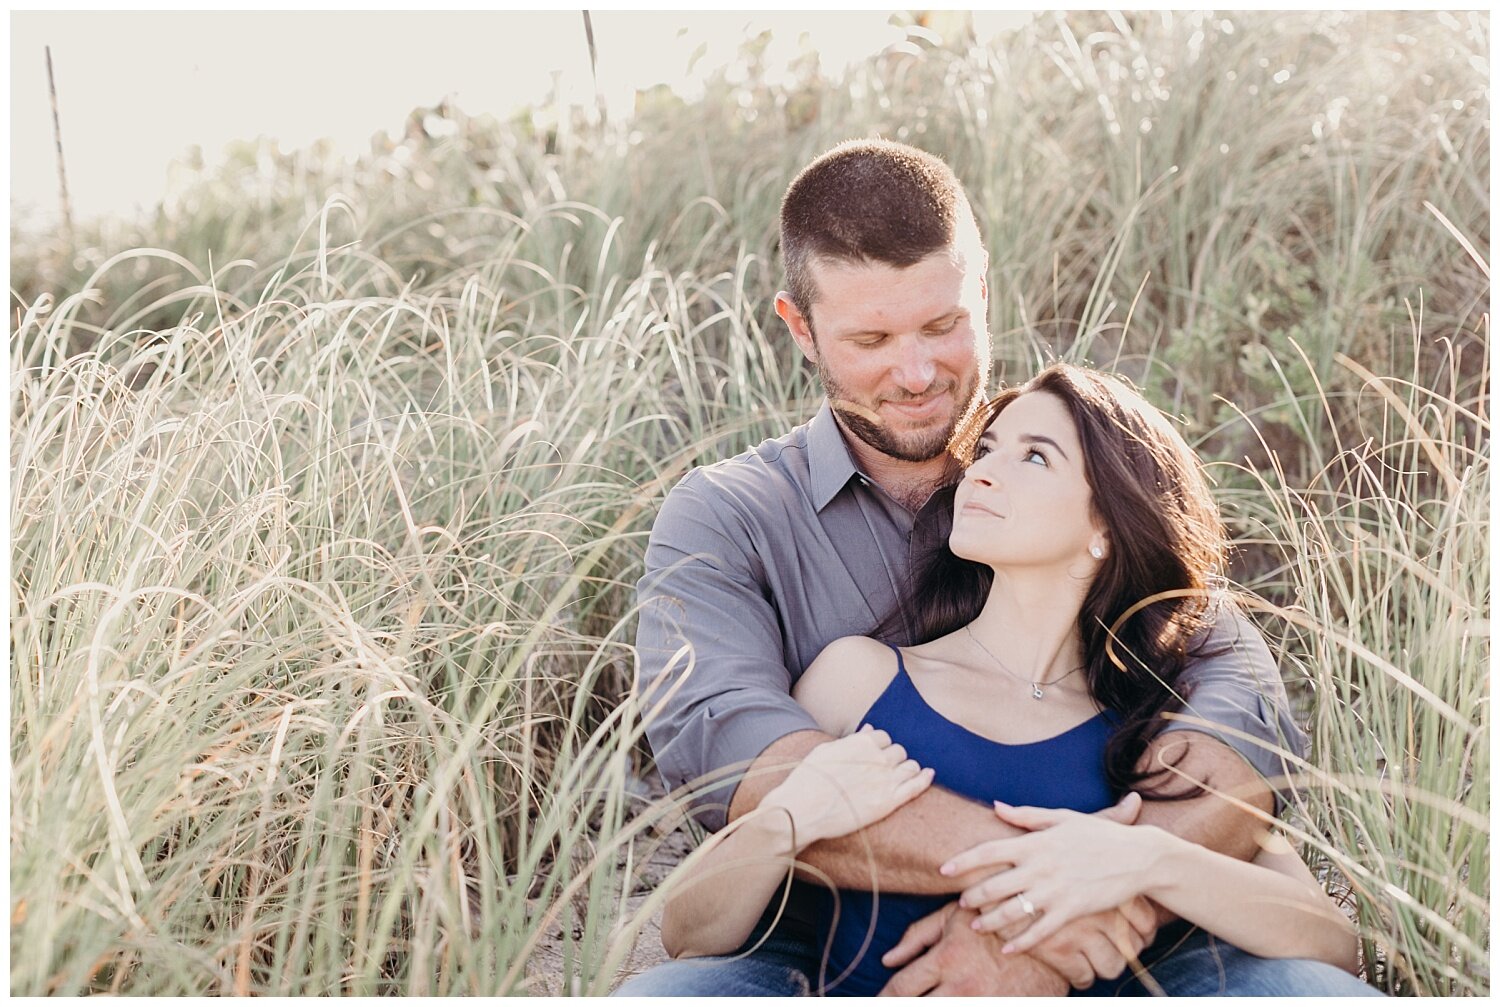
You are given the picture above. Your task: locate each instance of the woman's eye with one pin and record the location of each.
(1036, 457)
(980, 451)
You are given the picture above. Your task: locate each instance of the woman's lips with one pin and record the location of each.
(973, 505)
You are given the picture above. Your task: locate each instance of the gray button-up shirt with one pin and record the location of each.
(756, 563)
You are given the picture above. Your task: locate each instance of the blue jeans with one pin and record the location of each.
(1188, 962)
(778, 968)
(1194, 965)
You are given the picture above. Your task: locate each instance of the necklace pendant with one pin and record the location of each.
(1036, 691)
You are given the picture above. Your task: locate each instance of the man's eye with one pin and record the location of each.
(945, 328)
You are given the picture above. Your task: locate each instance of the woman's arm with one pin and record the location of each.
(749, 858)
(1272, 907)
(1071, 864)
(840, 787)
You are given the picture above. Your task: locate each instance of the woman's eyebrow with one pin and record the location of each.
(1039, 439)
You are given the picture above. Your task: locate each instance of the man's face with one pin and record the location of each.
(903, 352)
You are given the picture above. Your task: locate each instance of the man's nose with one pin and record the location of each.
(916, 369)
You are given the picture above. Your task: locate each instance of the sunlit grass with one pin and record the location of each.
(1384, 614)
(319, 605)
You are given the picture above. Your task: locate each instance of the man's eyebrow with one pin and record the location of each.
(951, 313)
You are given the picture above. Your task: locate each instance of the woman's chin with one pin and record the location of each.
(967, 550)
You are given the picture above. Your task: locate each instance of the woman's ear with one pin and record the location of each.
(1099, 547)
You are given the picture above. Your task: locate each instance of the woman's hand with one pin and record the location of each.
(844, 785)
(1069, 865)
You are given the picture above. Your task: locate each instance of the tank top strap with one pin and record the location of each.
(900, 662)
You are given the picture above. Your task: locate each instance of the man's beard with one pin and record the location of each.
(917, 446)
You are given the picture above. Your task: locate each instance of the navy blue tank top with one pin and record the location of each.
(1065, 771)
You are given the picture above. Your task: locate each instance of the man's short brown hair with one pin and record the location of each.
(871, 201)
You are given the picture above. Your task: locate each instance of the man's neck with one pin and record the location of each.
(908, 483)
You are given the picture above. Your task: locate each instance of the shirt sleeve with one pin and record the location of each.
(715, 688)
(1234, 693)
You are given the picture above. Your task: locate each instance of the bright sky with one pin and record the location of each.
(136, 90)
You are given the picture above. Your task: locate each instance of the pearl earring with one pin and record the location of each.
(1096, 552)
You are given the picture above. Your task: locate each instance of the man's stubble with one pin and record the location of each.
(920, 446)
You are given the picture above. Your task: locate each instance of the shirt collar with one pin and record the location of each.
(828, 458)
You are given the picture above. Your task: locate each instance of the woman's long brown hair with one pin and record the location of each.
(1165, 535)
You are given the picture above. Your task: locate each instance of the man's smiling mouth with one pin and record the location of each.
(919, 407)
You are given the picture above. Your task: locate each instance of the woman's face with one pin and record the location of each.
(1025, 502)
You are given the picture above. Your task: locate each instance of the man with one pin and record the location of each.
(757, 562)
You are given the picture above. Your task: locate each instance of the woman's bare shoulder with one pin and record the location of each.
(844, 680)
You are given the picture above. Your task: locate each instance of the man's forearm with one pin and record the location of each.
(901, 852)
(904, 850)
(1208, 820)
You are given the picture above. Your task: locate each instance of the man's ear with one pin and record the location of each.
(797, 324)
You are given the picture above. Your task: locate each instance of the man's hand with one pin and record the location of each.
(1098, 946)
(943, 955)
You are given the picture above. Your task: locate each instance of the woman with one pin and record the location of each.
(1084, 550)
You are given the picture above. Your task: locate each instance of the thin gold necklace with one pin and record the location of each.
(1036, 687)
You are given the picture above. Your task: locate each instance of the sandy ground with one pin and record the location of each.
(655, 856)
